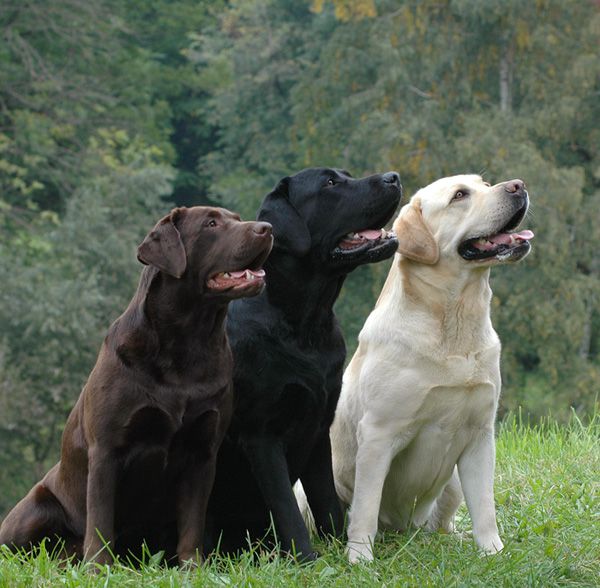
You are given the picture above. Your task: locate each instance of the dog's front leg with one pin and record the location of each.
(100, 505)
(192, 498)
(195, 486)
(476, 472)
(269, 466)
(317, 480)
(373, 459)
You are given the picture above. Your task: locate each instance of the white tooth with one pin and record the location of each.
(383, 233)
(226, 275)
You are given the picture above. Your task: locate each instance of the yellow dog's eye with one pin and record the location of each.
(459, 195)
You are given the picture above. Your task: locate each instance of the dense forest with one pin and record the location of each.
(111, 112)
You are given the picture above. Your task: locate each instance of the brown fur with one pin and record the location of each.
(139, 447)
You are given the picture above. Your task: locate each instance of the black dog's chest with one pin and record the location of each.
(288, 393)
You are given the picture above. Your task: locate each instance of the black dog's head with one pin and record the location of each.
(332, 219)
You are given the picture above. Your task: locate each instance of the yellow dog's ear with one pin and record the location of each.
(414, 237)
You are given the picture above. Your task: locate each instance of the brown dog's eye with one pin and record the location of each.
(211, 223)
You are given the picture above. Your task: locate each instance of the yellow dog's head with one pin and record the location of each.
(466, 219)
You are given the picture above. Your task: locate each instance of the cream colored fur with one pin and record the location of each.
(415, 421)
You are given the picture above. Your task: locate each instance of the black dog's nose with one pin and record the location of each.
(261, 228)
(515, 187)
(391, 178)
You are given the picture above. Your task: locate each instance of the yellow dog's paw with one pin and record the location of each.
(358, 552)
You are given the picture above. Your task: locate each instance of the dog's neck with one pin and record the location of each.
(304, 295)
(176, 309)
(172, 323)
(455, 299)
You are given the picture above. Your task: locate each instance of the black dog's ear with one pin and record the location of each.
(163, 247)
(289, 229)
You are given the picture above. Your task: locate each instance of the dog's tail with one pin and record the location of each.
(305, 511)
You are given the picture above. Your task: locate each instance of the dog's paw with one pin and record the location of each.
(189, 560)
(358, 552)
(490, 545)
(305, 557)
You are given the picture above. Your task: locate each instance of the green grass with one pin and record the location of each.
(548, 505)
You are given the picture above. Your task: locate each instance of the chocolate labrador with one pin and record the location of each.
(289, 354)
(139, 447)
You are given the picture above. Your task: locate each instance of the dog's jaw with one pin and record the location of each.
(366, 246)
(505, 245)
(236, 284)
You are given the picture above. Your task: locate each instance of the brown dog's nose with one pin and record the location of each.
(515, 186)
(261, 228)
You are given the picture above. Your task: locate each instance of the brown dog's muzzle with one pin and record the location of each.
(244, 277)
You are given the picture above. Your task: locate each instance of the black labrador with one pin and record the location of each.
(139, 447)
(289, 354)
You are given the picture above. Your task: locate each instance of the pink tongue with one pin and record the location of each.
(240, 274)
(500, 239)
(505, 239)
(525, 235)
(369, 234)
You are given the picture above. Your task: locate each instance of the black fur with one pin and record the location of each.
(289, 354)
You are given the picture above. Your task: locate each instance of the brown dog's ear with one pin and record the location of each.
(414, 237)
(289, 229)
(163, 247)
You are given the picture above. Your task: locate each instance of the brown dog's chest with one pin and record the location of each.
(171, 414)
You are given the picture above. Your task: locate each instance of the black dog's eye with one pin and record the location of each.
(331, 182)
(460, 194)
(211, 223)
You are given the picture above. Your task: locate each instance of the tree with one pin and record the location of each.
(432, 89)
(73, 280)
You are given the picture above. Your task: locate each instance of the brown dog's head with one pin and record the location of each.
(211, 247)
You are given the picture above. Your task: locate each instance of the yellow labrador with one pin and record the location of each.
(420, 395)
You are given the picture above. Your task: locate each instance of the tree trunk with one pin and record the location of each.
(506, 73)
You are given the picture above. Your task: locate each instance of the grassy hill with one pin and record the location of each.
(548, 503)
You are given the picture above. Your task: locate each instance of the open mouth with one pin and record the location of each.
(371, 244)
(242, 282)
(235, 280)
(504, 245)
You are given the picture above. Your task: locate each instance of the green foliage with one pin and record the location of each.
(107, 107)
(433, 89)
(84, 163)
(60, 292)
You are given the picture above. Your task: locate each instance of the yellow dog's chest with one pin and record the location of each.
(467, 371)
